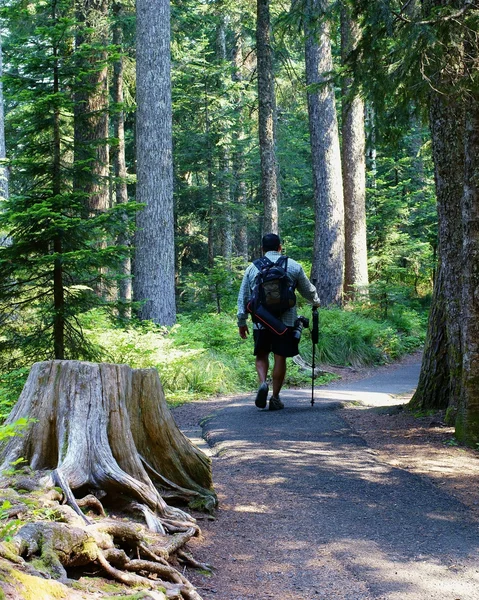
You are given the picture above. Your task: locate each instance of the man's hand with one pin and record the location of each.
(243, 331)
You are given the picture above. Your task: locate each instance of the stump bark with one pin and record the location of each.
(104, 435)
(106, 428)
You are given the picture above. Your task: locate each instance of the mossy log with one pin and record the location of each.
(104, 435)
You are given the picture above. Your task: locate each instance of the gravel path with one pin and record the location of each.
(309, 510)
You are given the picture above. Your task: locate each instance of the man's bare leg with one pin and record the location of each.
(262, 366)
(279, 373)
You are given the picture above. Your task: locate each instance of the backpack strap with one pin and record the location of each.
(262, 263)
(282, 262)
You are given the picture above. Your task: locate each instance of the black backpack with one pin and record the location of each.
(273, 287)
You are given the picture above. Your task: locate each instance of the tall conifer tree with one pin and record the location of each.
(51, 268)
(3, 152)
(353, 156)
(270, 188)
(154, 281)
(328, 257)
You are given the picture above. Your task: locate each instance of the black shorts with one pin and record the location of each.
(265, 341)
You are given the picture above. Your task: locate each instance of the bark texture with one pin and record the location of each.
(3, 154)
(91, 106)
(270, 188)
(154, 282)
(454, 123)
(106, 428)
(125, 293)
(434, 392)
(224, 167)
(467, 422)
(353, 155)
(239, 194)
(439, 384)
(328, 258)
(100, 435)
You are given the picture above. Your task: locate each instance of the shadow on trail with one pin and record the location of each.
(392, 528)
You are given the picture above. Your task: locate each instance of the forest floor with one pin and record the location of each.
(286, 528)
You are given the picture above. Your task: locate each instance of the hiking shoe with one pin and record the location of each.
(262, 395)
(275, 403)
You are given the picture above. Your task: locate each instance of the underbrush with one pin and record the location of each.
(203, 355)
(349, 338)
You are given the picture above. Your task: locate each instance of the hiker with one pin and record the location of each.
(282, 341)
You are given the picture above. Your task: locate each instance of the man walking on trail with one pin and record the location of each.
(265, 340)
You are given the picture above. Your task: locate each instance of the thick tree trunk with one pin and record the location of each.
(106, 428)
(119, 161)
(467, 422)
(434, 392)
(58, 274)
(447, 134)
(353, 157)
(3, 154)
(154, 282)
(328, 258)
(270, 188)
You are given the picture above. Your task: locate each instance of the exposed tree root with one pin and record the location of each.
(60, 481)
(91, 502)
(125, 551)
(305, 366)
(188, 559)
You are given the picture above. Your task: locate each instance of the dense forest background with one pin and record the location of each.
(148, 149)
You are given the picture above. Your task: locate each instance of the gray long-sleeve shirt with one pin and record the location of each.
(297, 274)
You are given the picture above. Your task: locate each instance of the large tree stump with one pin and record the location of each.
(104, 434)
(107, 428)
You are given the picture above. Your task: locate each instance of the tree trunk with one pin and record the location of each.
(238, 166)
(224, 173)
(101, 431)
(154, 282)
(267, 119)
(353, 157)
(106, 428)
(119, 162)
(447, 134)
(91, 106)
(434, 392)
(3, 153)
(328, 259)
(467, 422)
(58, 274)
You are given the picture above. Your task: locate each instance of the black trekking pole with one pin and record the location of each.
(314, 339)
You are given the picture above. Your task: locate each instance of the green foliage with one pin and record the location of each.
(61, 252)
(8, 527)
(13, 429)
(11, 385)
(349, 339)
(216, 288)
(203, 355)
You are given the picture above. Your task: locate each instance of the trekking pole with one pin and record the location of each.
(314, 339)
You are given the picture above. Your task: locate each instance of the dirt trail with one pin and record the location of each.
(332, 502)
